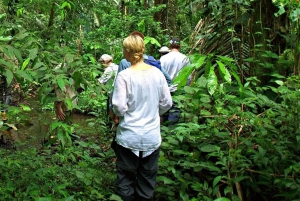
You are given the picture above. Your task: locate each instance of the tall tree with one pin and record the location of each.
(162, 15)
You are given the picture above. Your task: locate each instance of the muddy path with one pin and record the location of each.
(35, 126)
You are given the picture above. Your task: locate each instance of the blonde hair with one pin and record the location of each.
(134, 44)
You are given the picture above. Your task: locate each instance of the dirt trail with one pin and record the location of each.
(35, 126)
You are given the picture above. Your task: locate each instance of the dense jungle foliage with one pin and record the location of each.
(238, 137)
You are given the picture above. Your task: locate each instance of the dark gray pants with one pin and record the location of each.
(136, 176)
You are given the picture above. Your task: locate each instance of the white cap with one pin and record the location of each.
(105, 58)
(164, 49)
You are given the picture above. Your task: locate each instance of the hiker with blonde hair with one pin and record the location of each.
(140, 96)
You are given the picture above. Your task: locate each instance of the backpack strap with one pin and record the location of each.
(151, 58)
(148, 57)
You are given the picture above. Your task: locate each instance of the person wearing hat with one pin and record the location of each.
(164, 50)
(66, 98)
(111, 68)
(173, 62)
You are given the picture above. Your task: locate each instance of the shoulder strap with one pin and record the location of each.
(151, 58)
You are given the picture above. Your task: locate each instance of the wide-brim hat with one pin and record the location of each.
(164, 49)
(105, 58)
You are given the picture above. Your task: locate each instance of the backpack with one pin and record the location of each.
(151, 61)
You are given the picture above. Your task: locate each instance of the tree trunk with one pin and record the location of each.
(264, 29)
(52, 14)
(122, 7)
(162, 15)
(297, 52)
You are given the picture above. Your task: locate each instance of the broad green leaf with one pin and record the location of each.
(208, 65)
(209, 148)
(8, 51)
(237, 78)
(208, 166)
(279, 82)
(225, 58)
(25, 63)
(141, 25)
(277, 76)
(216, 180)
(200, 61)
(183, 195)
(7, 64)
(151, 40)
(205, 113)
(24, 74)
(18, 55)
(21, 35)
(5, 38)
(201, 81)
(79, 175)
(55, 125)
(238, 179)
(91, 124)
(25, 107)
(61, 136)
(165, 180)
(78, 79)
(222, 199)
(92, 58)
(280, 11)
(37, 65)
(69, 198)
(61, 83)
(212, 82)
(180, 137)
(183, 76)
(180, 152)
(9, 76)
(2, 15)
(115, 198)
(269, 54)
(95, 74)
(66, 4)
(189, 90)
(32, 53)
(225, 72)
(227, 190)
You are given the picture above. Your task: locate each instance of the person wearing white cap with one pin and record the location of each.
(164, 50)
(111, 68)
(173, 62)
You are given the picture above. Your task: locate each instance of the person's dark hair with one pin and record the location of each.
(175, 43)
(137, 33)
(163, 53)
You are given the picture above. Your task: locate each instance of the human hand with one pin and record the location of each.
(116, 119)
(60, 113)
(113, 117)
(173, 87)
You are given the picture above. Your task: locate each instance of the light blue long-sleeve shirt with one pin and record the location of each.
(139, 98)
